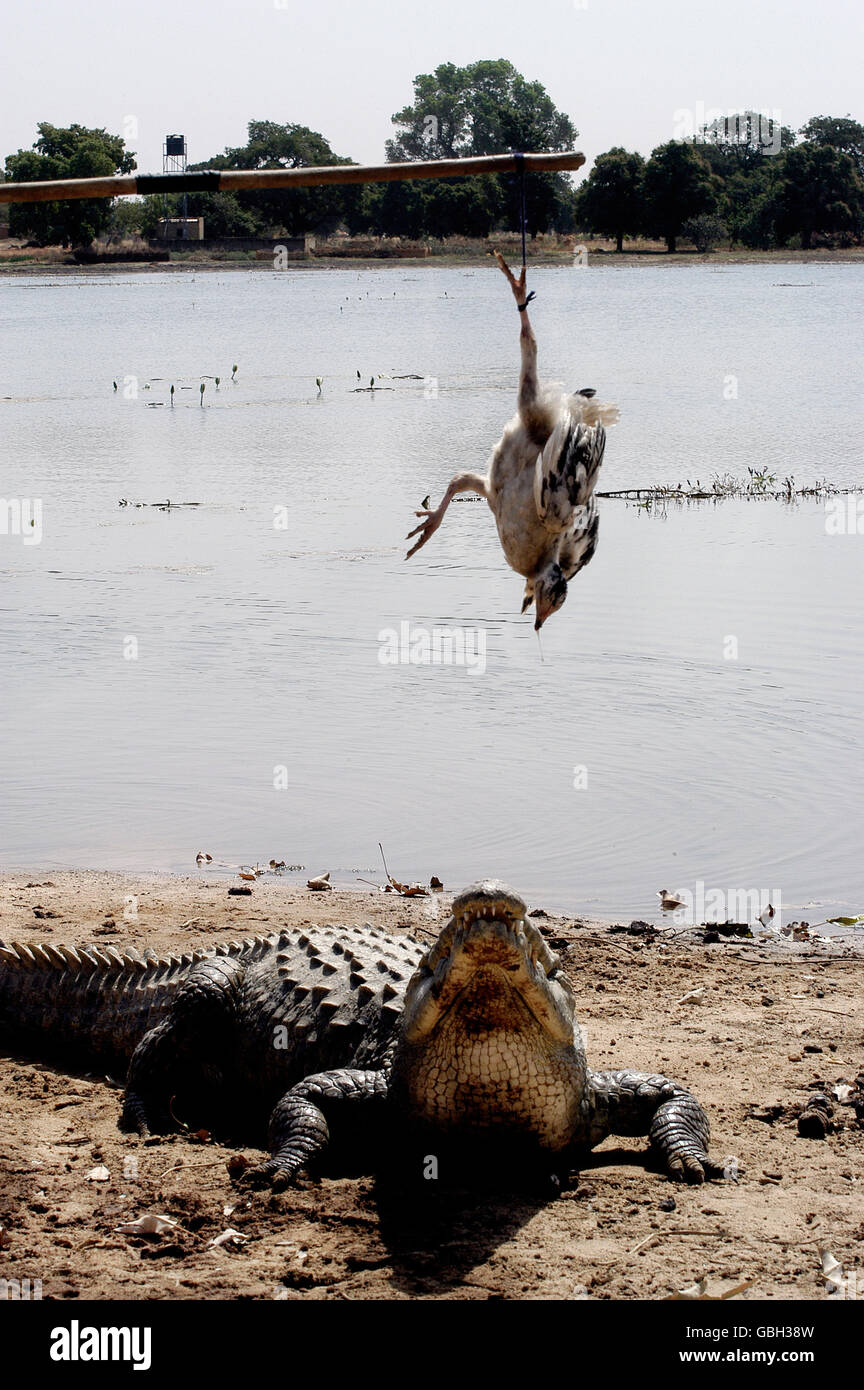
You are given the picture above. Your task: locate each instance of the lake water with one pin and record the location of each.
(258, 615)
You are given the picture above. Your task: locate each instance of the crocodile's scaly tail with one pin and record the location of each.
(87, 1006)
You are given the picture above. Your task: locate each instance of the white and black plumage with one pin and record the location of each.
(541, 479)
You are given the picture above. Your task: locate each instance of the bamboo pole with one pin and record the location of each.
(247, 180)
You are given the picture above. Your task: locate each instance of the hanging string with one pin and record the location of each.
(520, 166)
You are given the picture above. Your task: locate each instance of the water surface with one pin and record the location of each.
(258, 644)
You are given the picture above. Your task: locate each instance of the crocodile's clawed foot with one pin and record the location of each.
(680, 1134)
(686, 1168)
(272, 1174)
(696, 1169)
(135, 1119)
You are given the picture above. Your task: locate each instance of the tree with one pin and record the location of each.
(742, 141)
(127, 217)
(66, 152)
(819, 192)
(472, 205)
(705, 231)
(222, 213)
(486, 108)
(392, 209)
(678, 185)
(295, 210)
(435, 208)
(838, 133)
(749, 206)
(610, 201)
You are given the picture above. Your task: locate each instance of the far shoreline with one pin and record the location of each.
(68, 903)
(191, 261)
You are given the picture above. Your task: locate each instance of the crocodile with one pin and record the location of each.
(472, 1039)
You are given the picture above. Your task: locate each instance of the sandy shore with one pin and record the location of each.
(766, 1028)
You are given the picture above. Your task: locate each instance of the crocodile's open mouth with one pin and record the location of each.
(490, 964)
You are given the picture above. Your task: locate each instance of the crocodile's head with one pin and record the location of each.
(489, 1035)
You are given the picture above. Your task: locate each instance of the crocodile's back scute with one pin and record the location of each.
(324, 998)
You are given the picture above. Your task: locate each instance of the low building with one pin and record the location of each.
(180, 229)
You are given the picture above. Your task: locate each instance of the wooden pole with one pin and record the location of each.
(247, 180)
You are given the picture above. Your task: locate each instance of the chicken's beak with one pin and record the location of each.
(543, 610)
(527, 602)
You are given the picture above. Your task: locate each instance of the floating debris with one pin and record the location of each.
(698, 1292)
(229, 1237)
(321, 884)
(148, 1225)
(407, 890)
(760, 485)
(165, 506)
(691, 996)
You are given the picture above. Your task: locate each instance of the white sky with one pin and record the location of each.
(619, 68)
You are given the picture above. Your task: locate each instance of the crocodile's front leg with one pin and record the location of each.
(298, 1126)
(632, 1103)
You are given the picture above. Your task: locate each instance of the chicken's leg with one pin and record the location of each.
(528, 386)
(463, 482)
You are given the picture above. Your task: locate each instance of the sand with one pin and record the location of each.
(618, 1231)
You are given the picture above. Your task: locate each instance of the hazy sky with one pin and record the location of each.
(620, 68)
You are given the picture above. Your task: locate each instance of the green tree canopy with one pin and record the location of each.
(819, 192)
(610, 200)
(838, 133)
(742, 140)
(66, 152)
(486, 108)
(749, 206)
(437, 208)
(678, 185)
(222, 213)
(705, 231)
(296, 210)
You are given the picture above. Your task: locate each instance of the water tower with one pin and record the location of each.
(174, 162)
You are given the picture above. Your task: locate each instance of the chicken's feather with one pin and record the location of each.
(566, 470)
